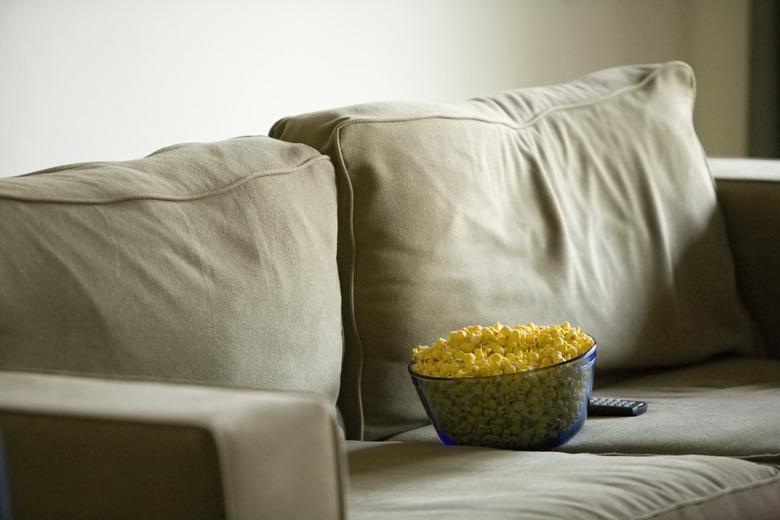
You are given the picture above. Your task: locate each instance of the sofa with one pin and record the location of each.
(223, 330)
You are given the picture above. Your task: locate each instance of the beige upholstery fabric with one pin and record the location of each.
(729, 407)
(84, 448)
(749, 193)
(209, 263)
(426, 481)
(744, 169)
(589, 202)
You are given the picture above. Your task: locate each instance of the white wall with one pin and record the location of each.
(85, 80)
(718, 48)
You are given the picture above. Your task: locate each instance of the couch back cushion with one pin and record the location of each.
(210, 263)
(589, 202)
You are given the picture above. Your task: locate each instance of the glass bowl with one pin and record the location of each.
(533, 410)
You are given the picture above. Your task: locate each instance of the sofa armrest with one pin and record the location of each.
(749, 195)
(80, 447)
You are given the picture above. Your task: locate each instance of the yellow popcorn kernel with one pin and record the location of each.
(499, 349)
(454, 337)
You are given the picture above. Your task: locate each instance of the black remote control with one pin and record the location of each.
(612, 407)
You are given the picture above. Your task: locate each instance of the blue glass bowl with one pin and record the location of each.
(534, 410)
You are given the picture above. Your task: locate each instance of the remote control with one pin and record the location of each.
(612, 407)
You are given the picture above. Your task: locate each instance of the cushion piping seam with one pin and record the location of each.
(747, 456)
(170, 198)
(139, 378)
(353, 244)
(533, 118)
(351, 294)
(713, 496)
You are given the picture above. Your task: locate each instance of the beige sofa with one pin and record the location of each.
(222, 330)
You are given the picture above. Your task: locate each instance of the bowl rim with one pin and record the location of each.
(591, 352)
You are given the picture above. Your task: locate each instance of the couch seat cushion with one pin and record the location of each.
(422, 480)
(205, 263)
(727, 407)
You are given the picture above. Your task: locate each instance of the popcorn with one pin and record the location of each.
(523, 409)
(487, 351)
